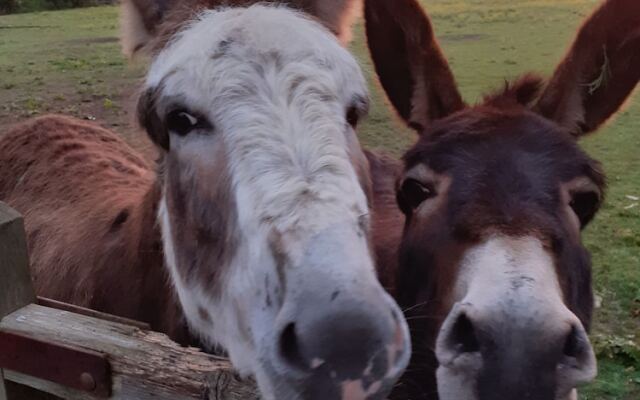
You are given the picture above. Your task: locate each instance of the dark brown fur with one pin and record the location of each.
(510, 163)
(202, 214)
(387, 221)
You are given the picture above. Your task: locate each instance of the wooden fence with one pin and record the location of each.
(54, 350)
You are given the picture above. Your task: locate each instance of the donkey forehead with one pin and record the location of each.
(482, 149)
(216, 43)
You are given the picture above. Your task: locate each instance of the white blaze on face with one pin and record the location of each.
(513, 274)
(507, 282)
(502, 276)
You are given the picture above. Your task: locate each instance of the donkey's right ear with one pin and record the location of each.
(600, 71)
(412, 69)
(139, 21)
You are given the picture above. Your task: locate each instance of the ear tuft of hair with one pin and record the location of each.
(521, 92)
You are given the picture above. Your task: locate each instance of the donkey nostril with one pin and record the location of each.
(290, 348)
(573, 345)
(463, 335)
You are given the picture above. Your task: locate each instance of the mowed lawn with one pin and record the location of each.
(69, 62)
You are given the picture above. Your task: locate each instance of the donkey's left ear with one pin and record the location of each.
(600, 71)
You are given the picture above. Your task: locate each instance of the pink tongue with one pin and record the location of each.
(353, 390)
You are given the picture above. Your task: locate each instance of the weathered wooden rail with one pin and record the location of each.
(52, 350)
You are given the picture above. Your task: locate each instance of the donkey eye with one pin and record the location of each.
(413, 193)
(585, 205)
(181, 122)
(353, 116)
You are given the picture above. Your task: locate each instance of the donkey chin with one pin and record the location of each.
(318, 326)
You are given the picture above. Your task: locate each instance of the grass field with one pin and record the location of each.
(69, 62)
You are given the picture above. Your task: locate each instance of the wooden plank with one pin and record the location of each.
(145, 365)
(43, 301)
(222, 386)
(16, 288)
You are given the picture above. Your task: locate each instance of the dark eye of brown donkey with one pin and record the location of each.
(413, 193)
(585, 205)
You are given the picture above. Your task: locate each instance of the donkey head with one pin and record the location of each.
(264, 209)
(492, 269)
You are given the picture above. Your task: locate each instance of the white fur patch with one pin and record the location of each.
(510, 272)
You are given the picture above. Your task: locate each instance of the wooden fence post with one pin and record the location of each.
(16, 288)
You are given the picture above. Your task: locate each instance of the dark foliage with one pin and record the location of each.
(15, 6)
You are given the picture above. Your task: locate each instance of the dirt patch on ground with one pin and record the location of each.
(26, 26)
(115, 112)
(94, 40)
(467, 37)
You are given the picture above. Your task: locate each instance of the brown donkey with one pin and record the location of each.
(491, 270)
(261, 198)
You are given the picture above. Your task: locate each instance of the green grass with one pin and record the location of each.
(69, 61)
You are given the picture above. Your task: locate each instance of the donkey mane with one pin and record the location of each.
(521, 92)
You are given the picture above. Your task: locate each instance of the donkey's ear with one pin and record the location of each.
(412, 69)
(338, 15)
(599, 72)
(139, 22)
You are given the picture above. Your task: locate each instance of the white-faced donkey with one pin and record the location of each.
(261, 194)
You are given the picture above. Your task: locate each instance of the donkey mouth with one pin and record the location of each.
(327, 380)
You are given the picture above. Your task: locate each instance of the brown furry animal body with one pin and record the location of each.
(94, 221)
